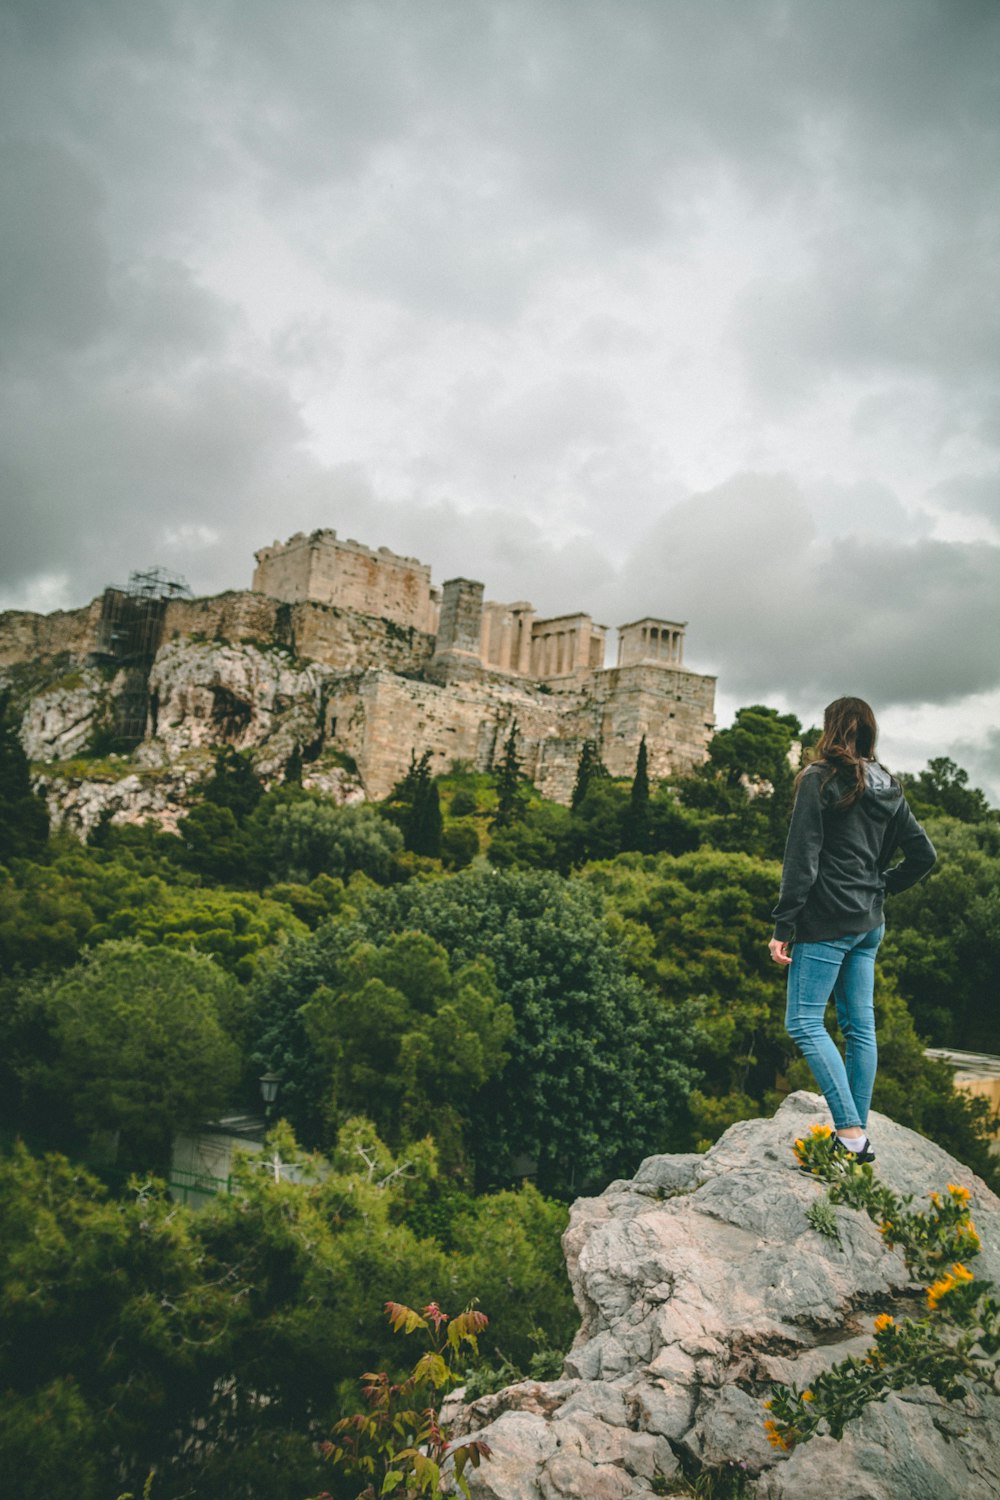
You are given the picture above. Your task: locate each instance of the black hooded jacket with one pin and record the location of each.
(836, 871)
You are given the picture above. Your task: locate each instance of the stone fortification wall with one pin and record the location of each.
(675, 710)
(27, 637)
(336, 637)
(325, 570)
(378, 718)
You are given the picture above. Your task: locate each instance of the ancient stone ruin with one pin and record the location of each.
(477, 665)
(345, 656)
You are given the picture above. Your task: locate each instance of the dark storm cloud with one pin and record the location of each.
(54, 260)
(448, 168)
(776, 608)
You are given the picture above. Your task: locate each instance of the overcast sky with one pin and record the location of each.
(679, 307)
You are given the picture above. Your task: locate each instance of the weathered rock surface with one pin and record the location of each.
(699, 1283)
(77, 801)
(201, 695)
(60, 722)
(211, 694)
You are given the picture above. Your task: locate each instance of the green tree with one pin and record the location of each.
(459, 844)
(407, 1040)
(509, 783)
(424, 828)
(131, 1040)
(599, 820)
(302, 835)
(24, 822)
(216, 848)
(414, 805)
(756, 746)
(542, 839)
(234, 783)
(943, 787)
(236, 927)
(589, 768)
(111, 1327)
(599, 1071)
(671, 827)
(636, 827)
(942, 945)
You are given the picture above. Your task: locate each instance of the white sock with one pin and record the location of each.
(856, 1143)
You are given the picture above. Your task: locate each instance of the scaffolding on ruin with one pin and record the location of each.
(128, 636)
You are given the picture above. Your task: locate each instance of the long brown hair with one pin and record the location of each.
(848, 740)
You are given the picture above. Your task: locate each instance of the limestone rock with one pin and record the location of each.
(207, 693)
(699, 1283)
(76, 802)
(61, 721)
(201, 695)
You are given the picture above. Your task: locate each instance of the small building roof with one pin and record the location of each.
(654, 620)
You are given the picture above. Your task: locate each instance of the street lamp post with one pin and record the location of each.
(269, 1090)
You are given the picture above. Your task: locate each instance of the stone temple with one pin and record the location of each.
(476, 665)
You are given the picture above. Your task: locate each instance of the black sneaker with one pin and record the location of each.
(865, 1154)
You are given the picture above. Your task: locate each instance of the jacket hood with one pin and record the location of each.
(882, 795)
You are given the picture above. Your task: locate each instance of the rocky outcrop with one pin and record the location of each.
(205, 694)
(62, 720)
(78, 796)
(199, 695)
(699, 1283)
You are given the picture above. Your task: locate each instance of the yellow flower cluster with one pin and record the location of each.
(960, 1194)
(884, 1321)
(775, 1438)
(817, 1133)
(947, 1283)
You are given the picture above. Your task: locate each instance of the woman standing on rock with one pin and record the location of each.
(849, 819)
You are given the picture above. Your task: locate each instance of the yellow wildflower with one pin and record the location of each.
(947, 1283)
(939, 1289)
(884, 1321)
(808, 1396)
(820, 1130)
(936, 1199)
(776, 1438)
(960, 1194)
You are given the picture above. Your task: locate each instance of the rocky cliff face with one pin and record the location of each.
(199, 695)
(699, 1283)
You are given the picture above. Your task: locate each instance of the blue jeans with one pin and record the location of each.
(844, 967)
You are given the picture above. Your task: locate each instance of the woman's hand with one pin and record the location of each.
(779, 951)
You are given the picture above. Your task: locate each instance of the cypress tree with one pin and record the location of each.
(425, 824)
(589, 768)
(636, 829)
(414, 805)
(509, 783)
(24, 821)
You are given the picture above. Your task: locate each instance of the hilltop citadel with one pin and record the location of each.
(342, 652)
